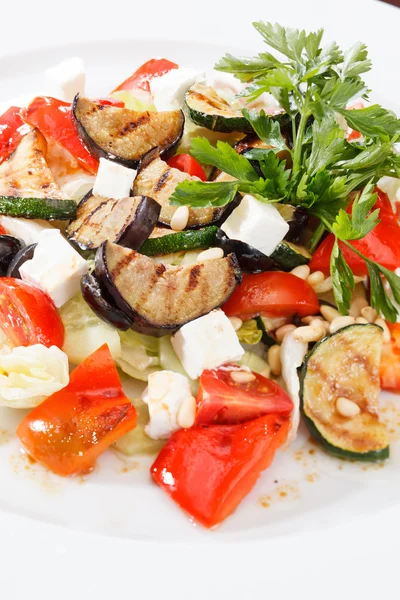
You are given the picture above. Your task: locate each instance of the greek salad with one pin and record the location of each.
(230, 238)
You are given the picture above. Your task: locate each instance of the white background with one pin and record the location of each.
(42, 562)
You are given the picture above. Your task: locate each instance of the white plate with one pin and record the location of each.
(116, 509)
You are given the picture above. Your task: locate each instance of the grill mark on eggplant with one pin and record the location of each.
(162, 181)
(193, 278)
(129, 127)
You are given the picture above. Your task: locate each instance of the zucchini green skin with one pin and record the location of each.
(182, 240)
(371, 456)
(287, 257)
(48, 209)
(217, 122)
(267, 339)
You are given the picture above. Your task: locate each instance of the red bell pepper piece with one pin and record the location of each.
(390, 360)
(380, 245)
(12, 129)
(273, 294)
(222, 400)
(69, 430)
(156, 67)
(207, 471)
(187, 164)
(53, 118)
(110, 102)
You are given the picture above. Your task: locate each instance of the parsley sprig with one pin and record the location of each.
(314, 83)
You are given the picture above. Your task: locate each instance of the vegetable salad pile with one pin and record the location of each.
(230, 239)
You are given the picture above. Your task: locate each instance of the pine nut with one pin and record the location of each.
(356, 306)
(180, 218)
(266, 372)
(324, 286)
(341, 322)
(310, 333)
(316, 277)
(271, 324)
(307, 320)
(361, 321)
(329, 313)
(284, 330)
(369, 313)
(386, 332)
(347, 408)
(187, 413)
(210, 254)
(274, 359)
(302, 271)
(236, 323)
(242, 376)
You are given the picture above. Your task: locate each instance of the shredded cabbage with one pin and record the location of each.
(139, 354)
(29, 375)
(136, 441)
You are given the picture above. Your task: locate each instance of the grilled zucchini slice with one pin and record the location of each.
(180, 241)
(345, 364)
(128, 221)
(125, 135)
(207, 109)
(288, 256)
(157, 180)
(161, 299)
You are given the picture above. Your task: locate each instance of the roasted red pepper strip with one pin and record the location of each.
(390, 360)
(12, 129)
(380, 245)
(187, 164)
(69, 430)
(208, 471)
(223, 400)
(156, 67)
(54, 120)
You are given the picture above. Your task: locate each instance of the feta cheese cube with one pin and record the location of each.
(66, 79)
(292, 357)
(56, 268)
(164, 396)
(206, 343)
(169, 90)
(26, 230)
(113, 180)
(257, 224)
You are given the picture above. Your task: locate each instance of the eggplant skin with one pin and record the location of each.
(128, 221)
(26, 253)
(125, 135)
(161, 299)
(157, 180)
(102, 305)
(250, 259)
(9, 247)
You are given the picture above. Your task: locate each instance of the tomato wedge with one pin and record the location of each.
(156, 67)
(208, 471)
(53, 118)
(69, 430)
(272, 294)
(187, 164)
(380, 245)
(12, 130)
(222, 400)
(28, 316)
(390, 360)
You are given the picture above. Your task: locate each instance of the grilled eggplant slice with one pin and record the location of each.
(157, 180)
(161, 299)
(128, 221)
(25, 173)
(101, 304)
(26, 253)
(125, 135)
(250, 259)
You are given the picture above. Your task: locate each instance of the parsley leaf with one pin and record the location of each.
(373, 121)
(378, 297)
(199, 194)
(355, 61)
(266, 128)
(224, 157)
(342, 279)
(328, 145)
(360, 223)
(245, 69)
